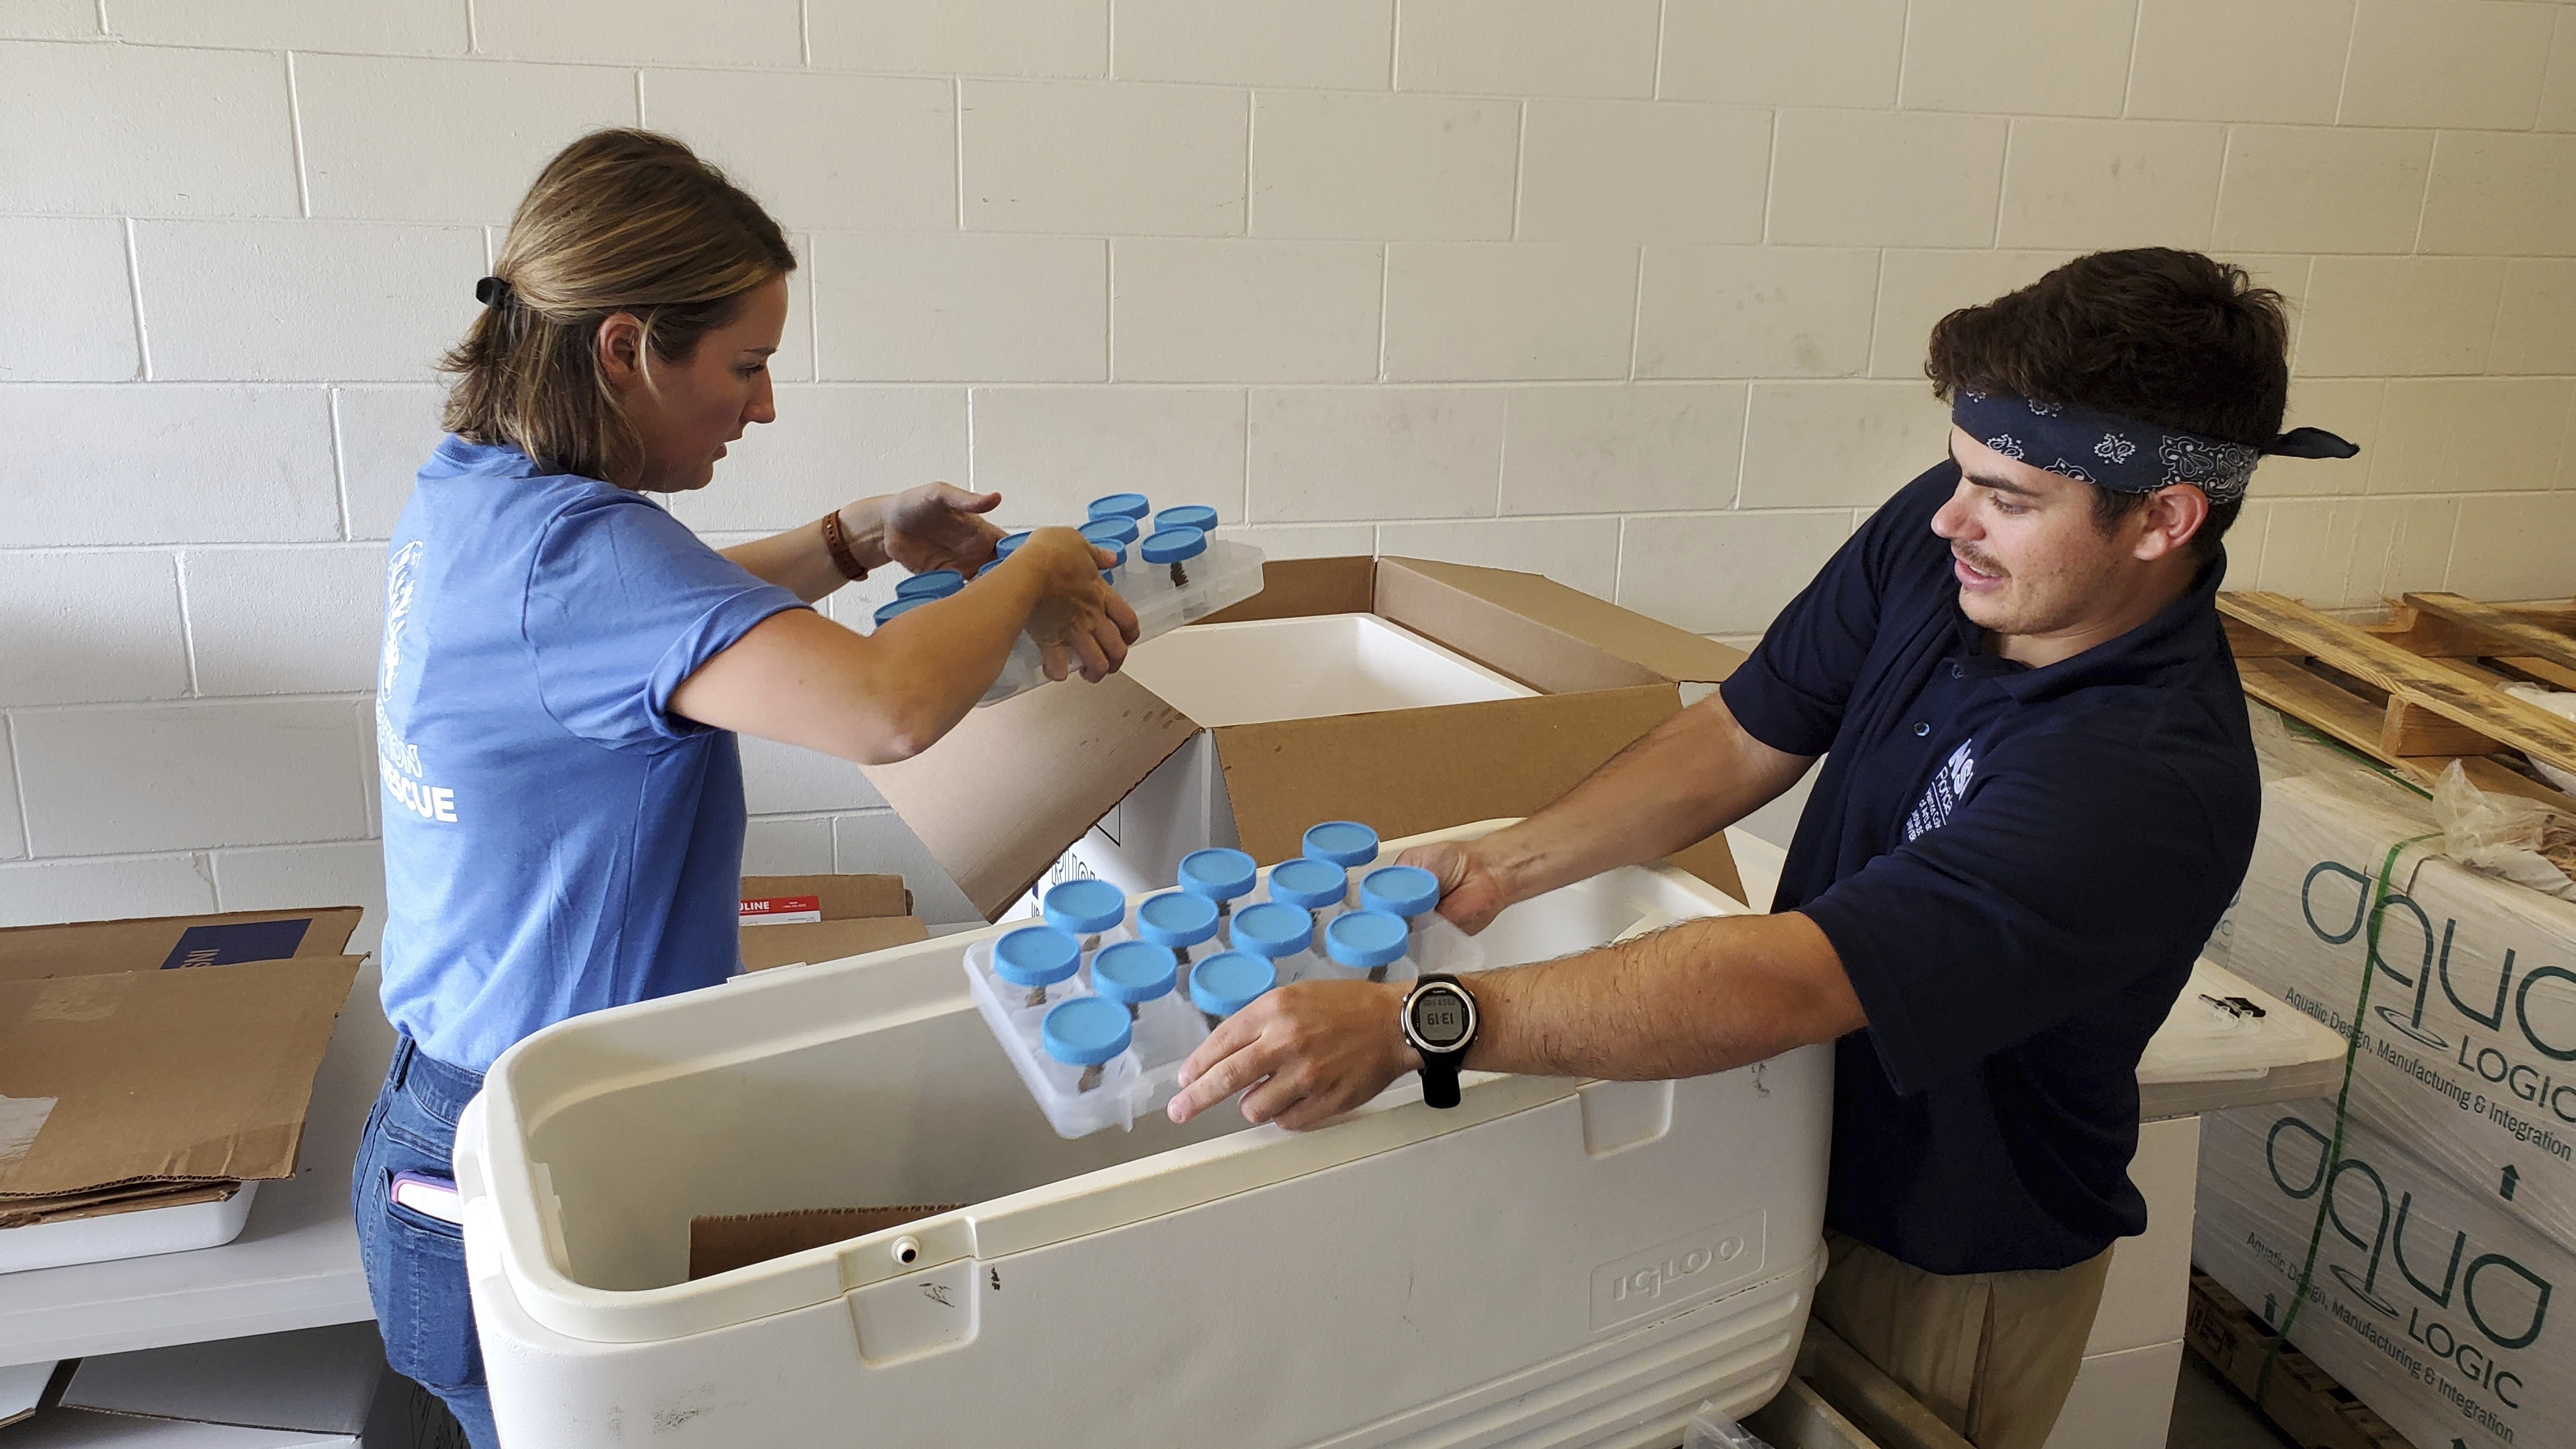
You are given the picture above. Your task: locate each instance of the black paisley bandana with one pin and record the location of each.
(2124, 454)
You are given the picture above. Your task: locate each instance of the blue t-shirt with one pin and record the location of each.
(2017, 867)
(556, 841)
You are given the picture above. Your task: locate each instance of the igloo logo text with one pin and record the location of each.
(1672, 1275)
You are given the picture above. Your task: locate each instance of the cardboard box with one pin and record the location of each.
(1008, 793)
(316, 1388)
(2468, 1046)
(789, 920)
(2442, 1311)
(131, 1078)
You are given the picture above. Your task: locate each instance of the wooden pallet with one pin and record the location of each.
(2302, 1399)
(2418, 689)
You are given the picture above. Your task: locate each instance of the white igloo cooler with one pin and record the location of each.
(1553, 1262)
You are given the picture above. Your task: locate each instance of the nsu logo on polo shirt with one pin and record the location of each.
(1949, 785)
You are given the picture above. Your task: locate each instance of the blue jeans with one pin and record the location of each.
(415, 1263)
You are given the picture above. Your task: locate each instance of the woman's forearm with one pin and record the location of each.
(799, 560)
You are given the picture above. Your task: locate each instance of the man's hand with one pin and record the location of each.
(930, 527)
(1472, 892)
(1308, 1052)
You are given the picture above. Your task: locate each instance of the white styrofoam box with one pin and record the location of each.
(1528, 47)
(873, 153)
(1509, 310)
(2399, 316)
(42, 892)
(1807, 444)
(2445, 63)
(2470, 434)
(796, 846)
(668, 32)
(13, 823)
(112, 780)
(386, 434)
(336, 301)
(185, 464)
(1917, 288)
(2146, 1291)
(2401, 544)
(2536, 330)
(2515, 547)
(877, 841)
(50, 20)
(78, 326)
(295, 25)
(1640, 171)
(973, 307)
(1664, 1236)
(970, 37)
(2068, 59)
(1821, 53)
(784, 780)
(832, 445)
(2501, 195)
(1050, 450)
(1335, 164)
(1054, 156)
(1332, 454)
(285, 620)
(1622, 447)
(145, 1233)
(1344, 45)
(2122, 1400)
(1867, 178)
(1245, 311)
(2087, 184)
(1724, 573)
(2318, 188)
(90, 627)
(1755, 311)
(2283, 60)
(285, 877)
(116, 129)
(442, 140)
(1580, 553)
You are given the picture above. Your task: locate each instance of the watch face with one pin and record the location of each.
(1440, 1018)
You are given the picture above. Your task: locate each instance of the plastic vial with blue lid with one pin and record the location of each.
(1177, 921)
(1087, 1032)
(1132, 973)
(1034, 958)
(1229, 981)
(1173, 548)
(1187, 515)
(1369, 941)
(1010, 544)
(1119, 505)
(1280, 933)
(1220, 875)
(930, 584)
(1113, 529)
(1405, 891)
(1084, 908)
(1315, 886)
(1346, 843)
(889, 611)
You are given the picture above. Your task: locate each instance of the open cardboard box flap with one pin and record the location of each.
(859, 914)
(90, 948)
(1000, 798)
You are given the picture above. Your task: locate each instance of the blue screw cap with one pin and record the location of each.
(1401, 890)
(1309, 884)
(886, 612)
(1176, 919)
(1367, 939)
(1010, 544)
(1218, 874)
(1120, 505)
(1085, 1031)
(1187, 515)
(931, 584)
(1273, 929)
(1172, 545)
(1083, 907)
(1035, 956)
(1343, 842)
(1106, 531)
(1134, 972)
(1226, 983)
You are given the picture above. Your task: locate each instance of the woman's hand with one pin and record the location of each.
(1079, 618)
(930, 527)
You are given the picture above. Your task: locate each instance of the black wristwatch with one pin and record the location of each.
(1439, 1019)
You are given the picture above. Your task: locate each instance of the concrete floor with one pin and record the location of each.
(2210, 1414)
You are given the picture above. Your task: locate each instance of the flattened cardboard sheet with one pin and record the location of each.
(1000, 797)
(1551, 616)
(722, 1244)
(166, 1074)
(90, 948)
(309, 1380)
(132, 1197)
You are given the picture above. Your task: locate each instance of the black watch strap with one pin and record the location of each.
(1440, 1066)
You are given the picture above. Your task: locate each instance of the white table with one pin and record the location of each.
(294, 1266)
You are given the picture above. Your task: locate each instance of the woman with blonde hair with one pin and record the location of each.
(565, 667)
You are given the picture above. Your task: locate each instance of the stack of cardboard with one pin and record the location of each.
(789, 920)
(160, 1063)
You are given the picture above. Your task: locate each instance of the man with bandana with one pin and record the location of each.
(2039, 794)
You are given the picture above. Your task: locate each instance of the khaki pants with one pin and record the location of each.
(1990, 1354)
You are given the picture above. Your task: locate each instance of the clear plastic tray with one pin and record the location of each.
(1227, 574)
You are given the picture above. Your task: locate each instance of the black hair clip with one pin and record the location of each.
(492, 292)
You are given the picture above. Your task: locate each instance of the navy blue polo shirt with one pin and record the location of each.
(2017, 867)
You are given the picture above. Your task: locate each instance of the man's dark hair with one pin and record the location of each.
(2151, 333)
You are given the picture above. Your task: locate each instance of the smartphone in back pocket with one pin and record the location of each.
(429, 1196)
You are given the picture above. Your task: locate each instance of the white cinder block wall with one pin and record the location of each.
(1631, 292)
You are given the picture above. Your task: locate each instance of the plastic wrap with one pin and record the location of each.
(2558, 702)
(2506, 836)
